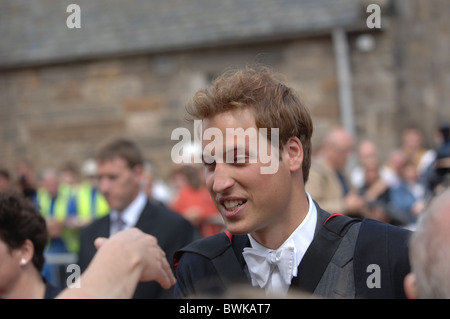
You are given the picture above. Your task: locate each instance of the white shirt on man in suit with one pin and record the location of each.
(129, 216)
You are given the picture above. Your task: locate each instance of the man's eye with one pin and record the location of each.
(208, 161)
(111, 178)
(210, 165)
(241, 160)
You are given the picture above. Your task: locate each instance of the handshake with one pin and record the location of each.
(123, 260)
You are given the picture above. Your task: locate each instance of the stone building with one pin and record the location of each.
(131, 67)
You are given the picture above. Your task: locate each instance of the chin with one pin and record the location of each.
(238, 228)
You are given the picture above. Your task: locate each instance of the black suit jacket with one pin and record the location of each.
(335, 264)
(172, 231)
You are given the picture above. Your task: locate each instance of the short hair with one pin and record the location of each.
(191, 173)
(429, 247)
(120, 148)
(5, 173)
(70, 167)
(275, 105)
(19, 221)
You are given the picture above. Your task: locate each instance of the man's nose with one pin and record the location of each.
(222, 178)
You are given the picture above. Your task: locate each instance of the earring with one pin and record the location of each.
(23, 262)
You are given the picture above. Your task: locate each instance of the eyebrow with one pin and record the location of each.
(235, 150)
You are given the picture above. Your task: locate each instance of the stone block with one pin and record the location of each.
(145, 103)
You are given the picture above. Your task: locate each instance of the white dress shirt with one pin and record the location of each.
(129, 215)
(301, 238)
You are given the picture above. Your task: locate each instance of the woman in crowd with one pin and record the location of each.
(23, 236)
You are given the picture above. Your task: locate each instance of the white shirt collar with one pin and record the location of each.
(302, 236)
(131, 213)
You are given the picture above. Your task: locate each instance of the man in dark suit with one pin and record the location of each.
(119, 173)
(278, 237)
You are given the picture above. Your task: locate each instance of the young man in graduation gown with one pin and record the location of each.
(277, 237)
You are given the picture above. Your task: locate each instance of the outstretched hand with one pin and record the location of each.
(120, 263)
(143, 251)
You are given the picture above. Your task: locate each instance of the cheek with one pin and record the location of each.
(209, 185)
(272, 188)
(209, 178)
(125, 183)
(9, 269)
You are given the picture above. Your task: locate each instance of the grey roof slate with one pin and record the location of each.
(34, 32)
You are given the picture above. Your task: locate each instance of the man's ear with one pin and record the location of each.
(293, 150)
(138, 171)
(410, 287)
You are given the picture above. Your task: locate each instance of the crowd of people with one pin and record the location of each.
(69, 199)
(117, 190)
(68, 196)
(394, 191)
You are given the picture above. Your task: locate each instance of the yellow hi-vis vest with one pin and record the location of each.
(60, 213)
(86, 210)
(89, 207)
(60, 208)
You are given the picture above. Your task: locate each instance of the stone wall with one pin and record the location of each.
(405, 79)
(58, 112)
(51, 114)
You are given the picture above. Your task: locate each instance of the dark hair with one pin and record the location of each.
(4, 172)
(191, 173)
(19, 221)
(275, 105)
(120, 148)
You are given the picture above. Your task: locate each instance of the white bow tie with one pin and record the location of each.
(262, 264)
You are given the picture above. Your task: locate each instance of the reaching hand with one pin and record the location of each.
(143, 251)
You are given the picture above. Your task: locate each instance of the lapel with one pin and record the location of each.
(144, 221)
(104, 227)
(98, 228)
(322, 216)
(238, 245)
(231, 265)
(321, 250)
(312, 253)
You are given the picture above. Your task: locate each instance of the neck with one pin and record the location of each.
(29, 285)
(279, 230)
(134, 197)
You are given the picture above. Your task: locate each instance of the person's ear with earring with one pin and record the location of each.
(23, 237)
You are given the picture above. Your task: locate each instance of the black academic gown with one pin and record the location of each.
(209, 266)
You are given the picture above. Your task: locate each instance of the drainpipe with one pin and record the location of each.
(341, 52)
